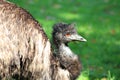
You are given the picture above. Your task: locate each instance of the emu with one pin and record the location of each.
(25, 50)
(62, 35)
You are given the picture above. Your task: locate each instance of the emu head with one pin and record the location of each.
(64, 33)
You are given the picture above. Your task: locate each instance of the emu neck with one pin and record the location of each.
(65, 50)
(62, 49)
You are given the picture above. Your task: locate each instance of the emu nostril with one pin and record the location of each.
(82, 39)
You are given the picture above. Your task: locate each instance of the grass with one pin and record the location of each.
(98, 21)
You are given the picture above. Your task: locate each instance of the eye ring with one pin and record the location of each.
(67, 34)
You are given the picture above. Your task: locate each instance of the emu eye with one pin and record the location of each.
(67, 34)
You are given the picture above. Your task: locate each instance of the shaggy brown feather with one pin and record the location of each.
(25, 51)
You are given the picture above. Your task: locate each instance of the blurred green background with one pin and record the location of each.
(96, 20)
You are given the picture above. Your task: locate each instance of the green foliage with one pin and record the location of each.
(110, 77)
(97, 20)
(84, 75)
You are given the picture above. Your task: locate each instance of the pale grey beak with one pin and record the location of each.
(76, 37)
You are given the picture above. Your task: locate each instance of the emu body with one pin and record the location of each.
(25, 50)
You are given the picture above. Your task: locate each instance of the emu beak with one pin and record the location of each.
(76, 37)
